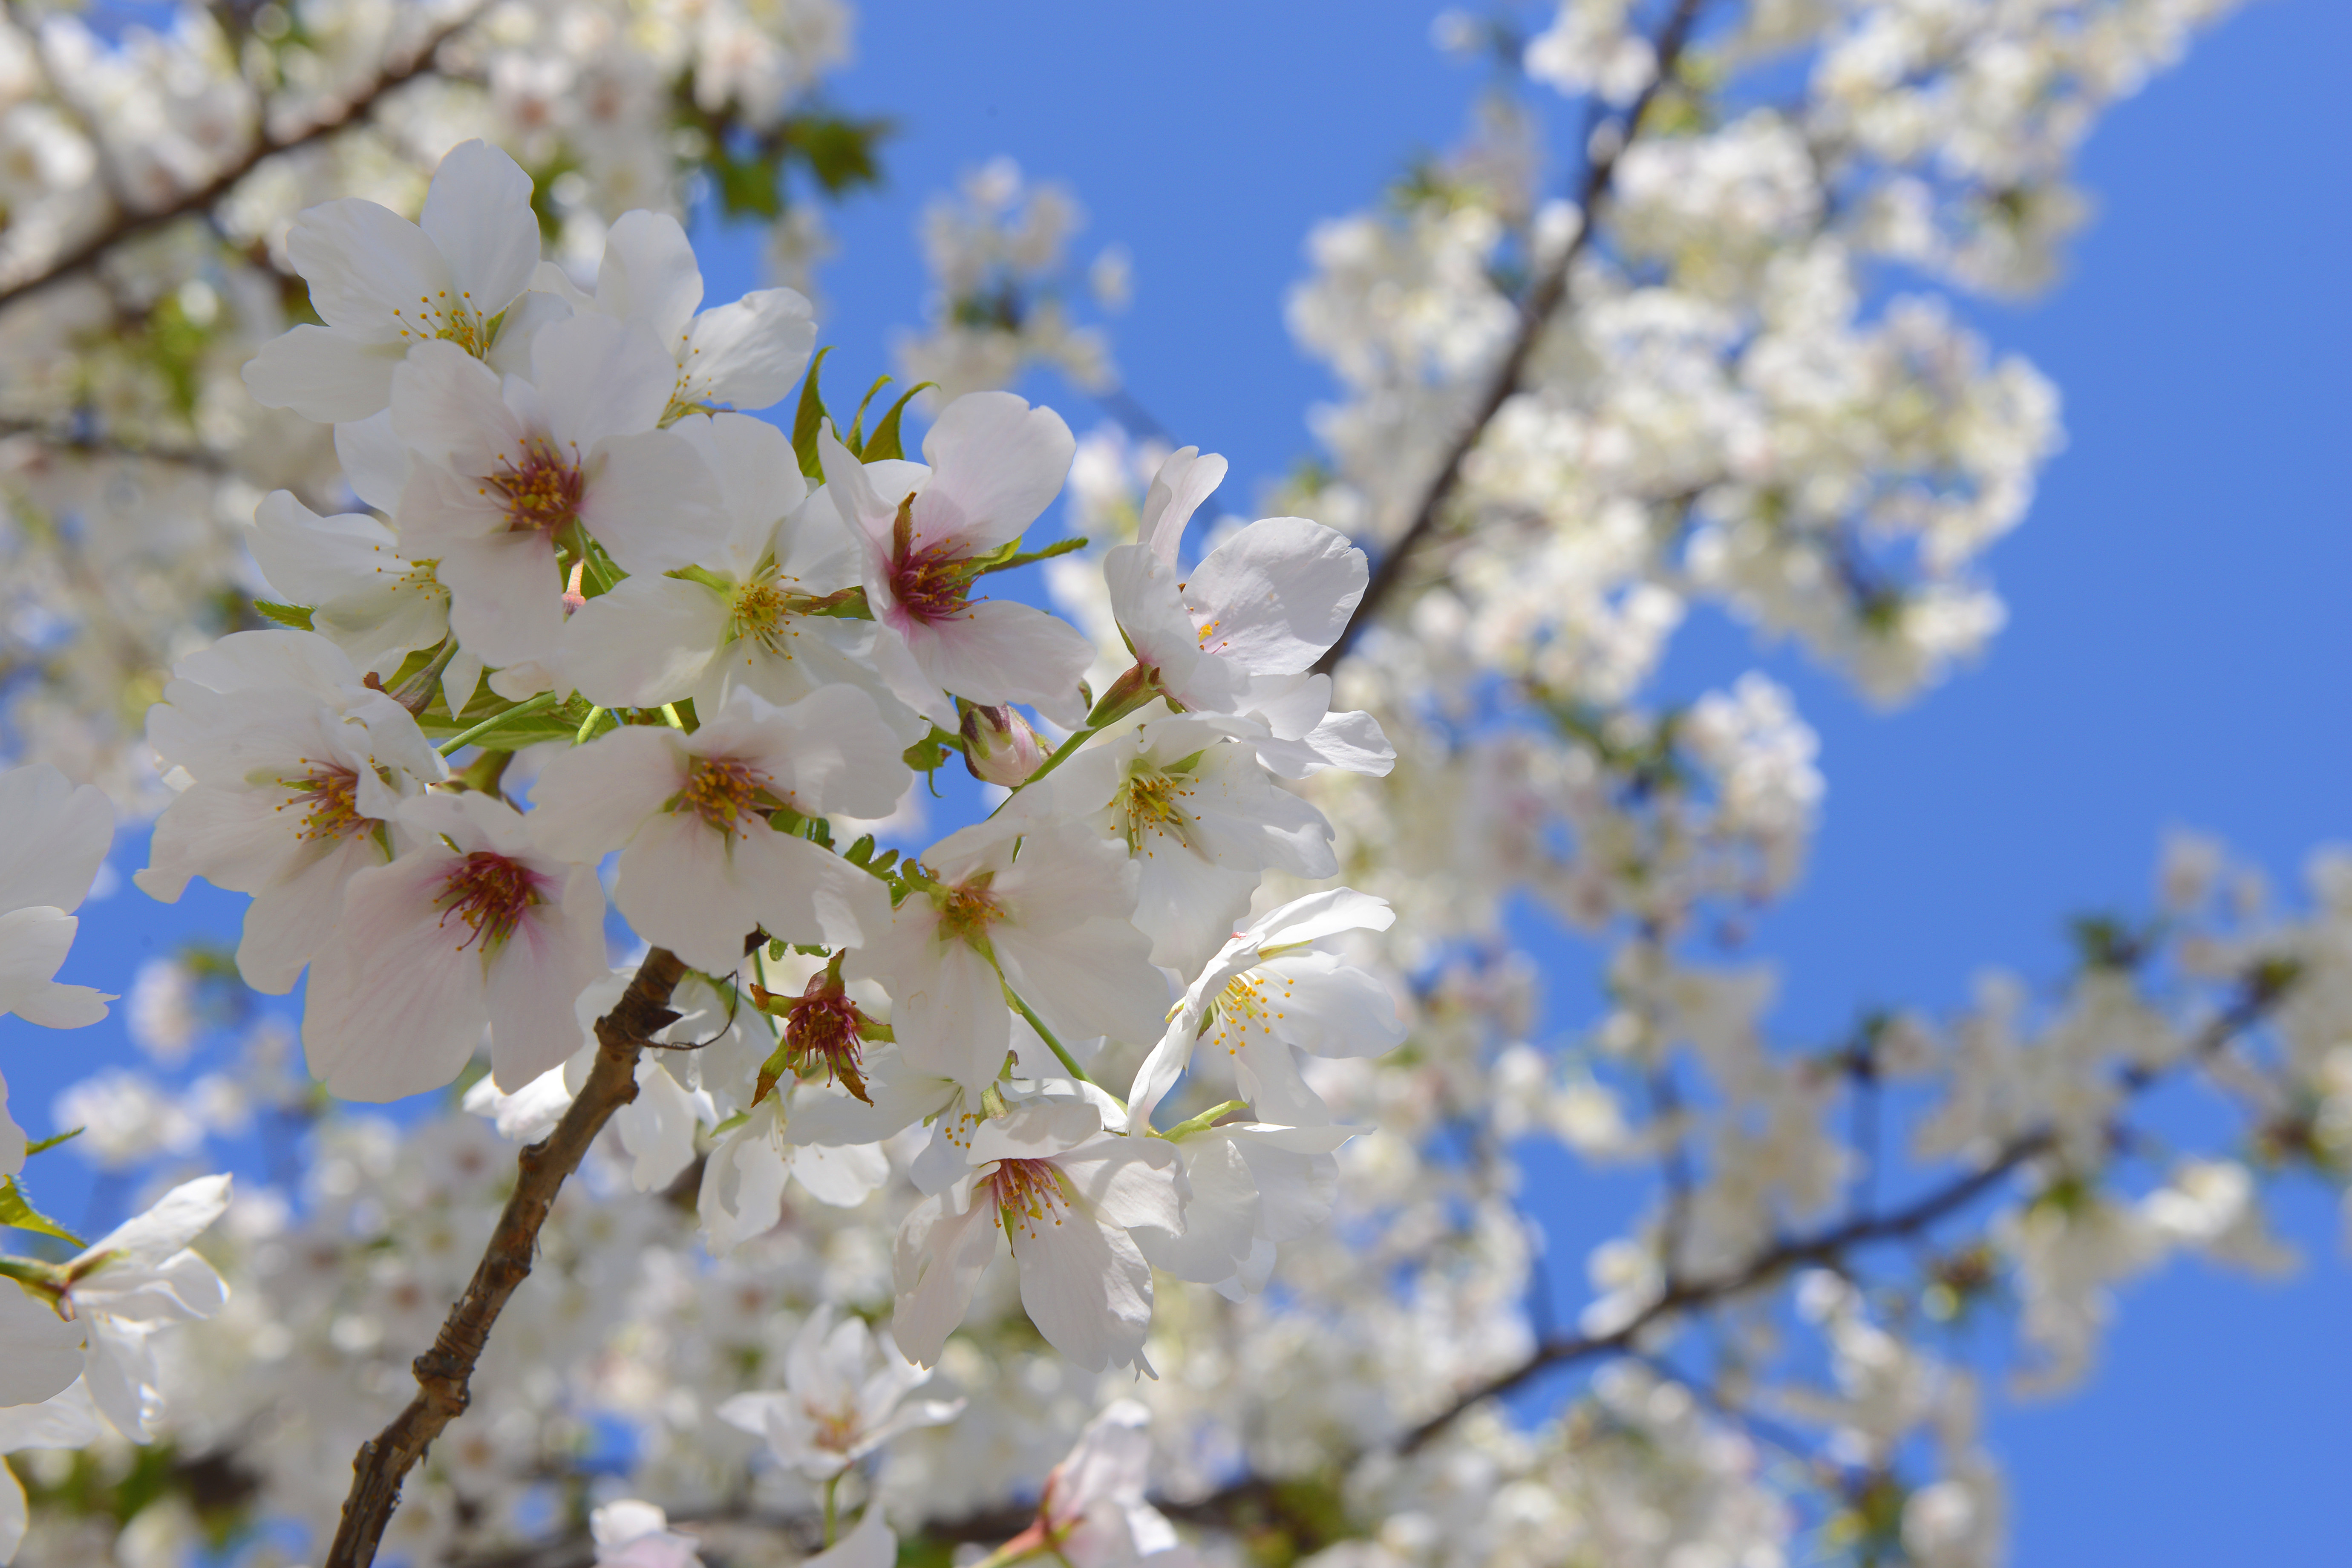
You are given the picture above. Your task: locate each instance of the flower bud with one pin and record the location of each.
(999, 747)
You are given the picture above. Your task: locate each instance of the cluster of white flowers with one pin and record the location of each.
(908, 1162)
(150, 175)
(1000, 302)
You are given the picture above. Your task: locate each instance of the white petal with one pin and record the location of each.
(1277, 594)
(57, 834)
(804, 894)
(653, 503)
(372, 274)
(996, 463)
(375, 463)
(749, 351)
(588, 801)
(40, 1352)
(843, 1175)
(505, 597)
(648, 275)
(478, 213)
(1184, 480)
(679, 887)
(600, 377)
(647, 642)
(322, 374)
(1085, 1286)
(995, 651)
(937, 1263)
(449, 407)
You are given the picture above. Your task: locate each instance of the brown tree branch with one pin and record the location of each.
(443, 1372)
(129, 226)
(1535, 312)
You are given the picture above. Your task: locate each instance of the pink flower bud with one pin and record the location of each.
(999, 747)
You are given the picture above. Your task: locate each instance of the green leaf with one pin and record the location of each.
(930, 753)
(748, 185)
(856, 441)
(808, 416)
(884, 443)
(295, 616)
(16, 1213)
(1005, 560)
(838, 151)
(44, 1145)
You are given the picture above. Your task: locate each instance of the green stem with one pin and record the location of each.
(1068, 1062)
(587, 725)
(538, 704)
(1054, 761)
(831, 1513)
(1206, 1119)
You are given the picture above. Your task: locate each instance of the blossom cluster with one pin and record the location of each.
(897, 1185)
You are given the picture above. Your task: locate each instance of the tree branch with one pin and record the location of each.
(443, 1372)
(130, 225)
(1535, 312)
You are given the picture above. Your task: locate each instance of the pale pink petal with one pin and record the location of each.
(649, 274)
(653, 503)
(1094, 979)
(1183, 483)
(937, 1265)
(375, 463)
(322, 374)
(647, 642)
(996, 651)
(1277, 594)
(600, 377)
(588, 800)
(1085, 1287)
(555, 951)
(288, 920)
(996, 463)
(395, 1004)
(57, 834)
(478, 213)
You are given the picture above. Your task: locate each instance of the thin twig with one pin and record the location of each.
(129, 226)
(1535, 312)
(444, 1372)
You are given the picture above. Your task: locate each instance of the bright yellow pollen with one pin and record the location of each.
(1153, 805)
(1028, 1193)
(1245, 1007)
(721, 791)
(333, 793)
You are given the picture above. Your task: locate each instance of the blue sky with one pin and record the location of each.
(2175, 657)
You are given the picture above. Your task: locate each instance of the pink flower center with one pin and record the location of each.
(932, 584)
(542, 491)
(333, 795)
(1029, 1193)
(490, 892)
(723, 792)
(823, 1026)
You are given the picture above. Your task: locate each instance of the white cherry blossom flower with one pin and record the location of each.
(1276, 989)
(750, 613)
(1199, 818)
(1063, 1193)
(507, 471)
(292, 773)
(628, 1533)
(54, 839)
(744, 354)
(701, 868)
(1093, 1513)
(112, 1298)
(844, 1395)
(743, 1179)
(476, 925)
(1043, 909)
(1254, 1187)
(365, 596)
(382, 285)
(993, 464)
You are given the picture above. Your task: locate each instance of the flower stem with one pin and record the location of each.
(1069, 1063)
(831, 1487)
(523, 709)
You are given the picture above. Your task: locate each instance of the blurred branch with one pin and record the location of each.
(129, 226)
(1543, 302)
